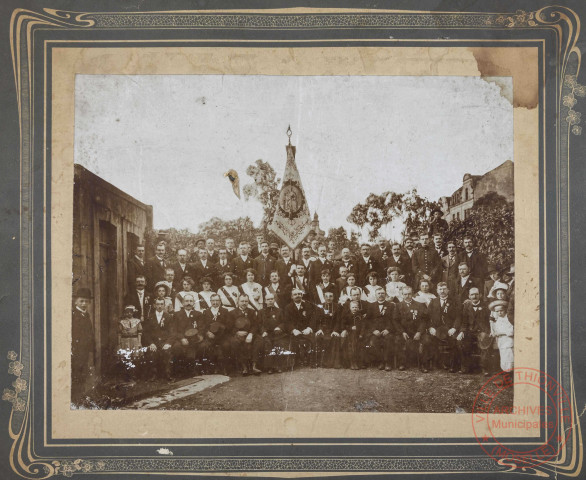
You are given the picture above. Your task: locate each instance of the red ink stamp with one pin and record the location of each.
(493, 422)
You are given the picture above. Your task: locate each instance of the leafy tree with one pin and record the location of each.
(340, 237)
(492, 225)
(409, 209)
(263, 188)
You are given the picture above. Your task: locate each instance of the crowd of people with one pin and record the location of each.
(260, 308)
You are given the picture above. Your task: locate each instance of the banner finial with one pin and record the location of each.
(289, 133)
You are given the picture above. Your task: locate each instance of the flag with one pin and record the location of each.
(292, 221)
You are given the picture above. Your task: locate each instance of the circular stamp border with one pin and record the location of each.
(558, 399)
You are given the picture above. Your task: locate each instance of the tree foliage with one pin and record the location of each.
(492, 225)
(408, 208)
(263, 188)
(341, 239)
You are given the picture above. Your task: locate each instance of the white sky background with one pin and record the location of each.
(168, 139)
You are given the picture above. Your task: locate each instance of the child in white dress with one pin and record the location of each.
(502, 330)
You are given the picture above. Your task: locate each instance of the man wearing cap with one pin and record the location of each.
(213, 326)
(462, 285)
(475, 260)
(436, 223)
(274, 335)
(187, 323)
(158, 336)
(476, 327)
(380, 331)
(139, 297)
(82, 344)
(300, 317)
(410, 323)
(244, 334)
(156, 265)
(136, 266)
(264, 264)
(445, 320)
(427, 264)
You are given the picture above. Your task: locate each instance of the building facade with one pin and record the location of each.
(107, 226)
(474, 187)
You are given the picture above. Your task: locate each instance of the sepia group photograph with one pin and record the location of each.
(292, 243)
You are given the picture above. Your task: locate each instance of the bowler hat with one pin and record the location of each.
(84, 293)
(214, 327)
(497, 303)
(441, 332)
(241, 323)
(484, 340)
(191, 332)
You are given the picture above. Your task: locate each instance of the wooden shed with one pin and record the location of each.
(107, 225)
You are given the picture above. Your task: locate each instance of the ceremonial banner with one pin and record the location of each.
(292, 221)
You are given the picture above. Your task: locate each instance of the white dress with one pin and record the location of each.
(503, 330)
(369, 293)
(395, 289)
(424, 297)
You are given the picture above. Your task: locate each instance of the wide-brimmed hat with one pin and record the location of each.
(214, 327)
(497, 303)
(441, 332)
(130, 307)
(163, 284)
(492, 268)
(437, 210)
(83, 293)
(241, 323)
(191, 332)
(484, 340)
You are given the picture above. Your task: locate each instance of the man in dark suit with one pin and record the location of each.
(306, 259)
(365, 264)
(82, 344)
(321, 263)
(230, 249)
(475, 324)
(450, 263)
(255, 250)
(264, 264)
(301, 321)
(281, 291)
(156, 265)
(400, 260)
(243, 262)
(274, 334)
(327, 335)
(444, 325)
(158, 335)
(136, 266)
(436, 223)
(381, 252)
(411, 324)
(346, 260)
(475, 260)
(203, 267)
(213, 327)
(187, 347)
(139, 298)
(462, 285)
(438, 245)
(300, 281)
(427, 264)
(284, 265)
(320, 290)
(380, 331)
(211, 249)
(245, 337)
(223, 266)
(182, 269)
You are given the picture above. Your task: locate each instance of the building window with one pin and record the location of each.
(466, 194)
(458, 215)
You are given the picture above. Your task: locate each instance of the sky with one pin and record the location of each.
(168, 139)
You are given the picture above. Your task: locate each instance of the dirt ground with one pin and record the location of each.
(331, 390)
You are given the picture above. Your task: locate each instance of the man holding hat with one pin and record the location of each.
(187, 336)
(410, 322)
(158, 337)
(244, 339)
(300, 317)
(82, 344)
(214, 321)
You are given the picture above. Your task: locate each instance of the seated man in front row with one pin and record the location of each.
(187, 322)
(245, 341)
(411, 323)
(327, 336)
(380, 331)
(301, 320)
(159, 337)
